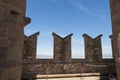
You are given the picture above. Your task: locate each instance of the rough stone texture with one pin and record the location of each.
(31, 69)
(63, 64)
(12, 22)
(115, 16)
(30, 45)
(113, 50)
(62, 48)
(93, 50)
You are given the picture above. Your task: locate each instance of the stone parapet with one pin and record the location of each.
(93, 48)
(62, 48)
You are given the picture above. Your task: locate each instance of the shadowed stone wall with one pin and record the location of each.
(12, 22)
(115, 16)
(80, 66)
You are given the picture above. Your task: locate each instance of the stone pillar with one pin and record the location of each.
(30, 45)
(12, 22)
(115, 18)
(93, 49)
(62, 48)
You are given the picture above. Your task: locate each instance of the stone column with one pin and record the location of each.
(93, 49)
(12, 22)
(62, 48)
(115, 18)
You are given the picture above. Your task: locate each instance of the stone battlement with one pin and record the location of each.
(62, 48)
(62, 63)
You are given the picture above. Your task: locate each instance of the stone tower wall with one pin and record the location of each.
(115, 16)
(12, 21)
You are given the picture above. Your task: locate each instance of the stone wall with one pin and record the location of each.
(30, 47)
(115, 18)
(62, 48)
(30, 69)
(12, 22)
(93, 49)
(62, 63)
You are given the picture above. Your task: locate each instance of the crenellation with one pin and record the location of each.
(30, 43)
(60, 64)
(93, 50)
(62, 48)
(18, 51)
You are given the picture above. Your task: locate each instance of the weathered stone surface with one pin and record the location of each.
(12, 21)
(31, 69)
(93, 49)
(30, 46)
(3, 52)
(115, 16)
(62, 62)
(62, 48)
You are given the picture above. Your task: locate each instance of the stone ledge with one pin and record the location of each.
(39, 76)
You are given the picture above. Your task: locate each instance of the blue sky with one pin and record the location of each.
(69, 16)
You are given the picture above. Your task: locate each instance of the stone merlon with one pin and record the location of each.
(54, 34)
